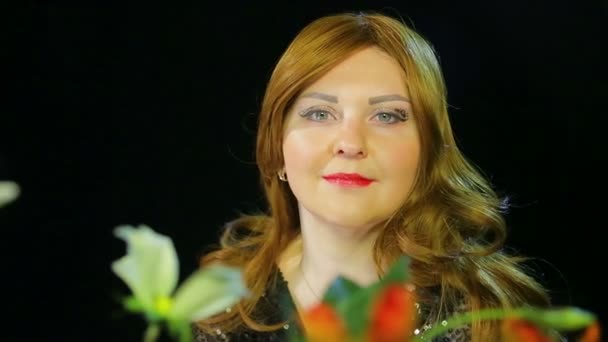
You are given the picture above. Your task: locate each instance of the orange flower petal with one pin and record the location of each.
(517, 330)
(393, 315)
(592, 333)
(322, 323)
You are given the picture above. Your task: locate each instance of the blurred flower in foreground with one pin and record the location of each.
(322, 323)
(393, 315)
(9, 191)
(383, 311)
(592, 333)
(151, 271)
(518, 330)
(529, 325)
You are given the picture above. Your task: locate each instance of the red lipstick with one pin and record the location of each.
(348, 179)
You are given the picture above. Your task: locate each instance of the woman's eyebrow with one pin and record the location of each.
(384, 98)
(322, 96)
(372, 100)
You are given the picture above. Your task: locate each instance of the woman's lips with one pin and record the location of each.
(348, 179)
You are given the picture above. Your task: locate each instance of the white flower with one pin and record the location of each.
(207, 292)
(9, 191)
(151, 270)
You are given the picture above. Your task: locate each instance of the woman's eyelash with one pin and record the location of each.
(402, 114)
(395, 115)
(310, 111)
(398, 113)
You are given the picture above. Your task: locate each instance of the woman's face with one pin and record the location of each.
(351, 145)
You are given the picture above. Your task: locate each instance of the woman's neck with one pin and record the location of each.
(323, 252)
(330, 250)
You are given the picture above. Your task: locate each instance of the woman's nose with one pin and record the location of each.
(350, 141)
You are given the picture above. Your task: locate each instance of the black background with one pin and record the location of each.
(138, 113)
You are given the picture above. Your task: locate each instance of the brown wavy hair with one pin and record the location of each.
(452, 223)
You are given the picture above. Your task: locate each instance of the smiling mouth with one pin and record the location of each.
(348, 179)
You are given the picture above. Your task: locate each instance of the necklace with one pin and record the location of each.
(307, 283)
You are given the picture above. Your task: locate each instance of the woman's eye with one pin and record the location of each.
(317, 115)
(390, 118)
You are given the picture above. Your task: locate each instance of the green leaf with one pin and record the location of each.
(353, 302)
(355, 309)
(559, 319)
(132, 304)
(339, 290)
(562, 319)
(399, 271)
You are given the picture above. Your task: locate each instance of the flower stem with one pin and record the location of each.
(152, 332)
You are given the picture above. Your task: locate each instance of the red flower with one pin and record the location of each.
(393, 315)
(518, 330)
(322, 323)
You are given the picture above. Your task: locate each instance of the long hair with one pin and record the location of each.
(452, 223)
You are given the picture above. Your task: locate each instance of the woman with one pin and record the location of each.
(359, 166)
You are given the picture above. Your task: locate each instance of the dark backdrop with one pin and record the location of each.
(138, 113)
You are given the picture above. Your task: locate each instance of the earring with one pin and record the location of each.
(282, 175)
